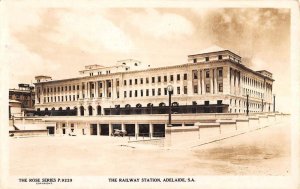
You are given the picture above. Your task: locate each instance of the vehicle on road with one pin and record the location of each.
(118, 132)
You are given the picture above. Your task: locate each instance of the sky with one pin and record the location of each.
(60, 41)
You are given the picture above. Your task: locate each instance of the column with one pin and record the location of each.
(216, 81)
(151, 130)
(123, 127)
(136, 128)
(95, 89)
(99, 128)
(202, 80)
(110, 130)
(199, 83)
(104, 88)
(211, 80)
(67, 127)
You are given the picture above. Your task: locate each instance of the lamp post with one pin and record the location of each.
(274, 96)
(247, 104)
(170, 90)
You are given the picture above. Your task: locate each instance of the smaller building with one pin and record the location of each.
(14, 108)
(25, 95)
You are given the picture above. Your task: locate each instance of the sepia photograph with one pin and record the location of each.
(149, 95)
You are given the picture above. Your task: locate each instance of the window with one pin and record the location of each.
(82, 87)
(62, 98)
(142, 80)
(117, 83)
(153, 79)
(153, 92)
(158, 79)
(207, 88)
(165, 78)
(77, 87)
(73, 97)
(73, 87)
(125, 82)
(220, 57)
(207, 73)
(92, 86)
(147, 80)
(206, 103)
(220, 87)
(135, 93)
(178, 77)
(100, 85)
(135, 81)
(147, 92)
(70, 88)
(185, 76)
(195, 74)
(142, 93)
(109, 84)
(77, 97)
(178, 90)
(58, 98)
(130, 93)
(220, 73)
(206, 59)
(166, 91)
(54, 89)
(195, 88)
(195, 60)
(51, 90)
(171, 77)
(159, 91)
(185, 89)
(130, 82)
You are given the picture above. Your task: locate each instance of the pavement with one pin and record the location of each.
(261, 152)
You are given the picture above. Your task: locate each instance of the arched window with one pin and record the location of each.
(162, 104)
(60, 109)
(175, 104)
(138, 105)
(127, 106)
(98, 110)
(81, 110)
(90, 110)
(149, 105)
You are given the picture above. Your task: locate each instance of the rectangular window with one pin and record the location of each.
(125, 94)
(70, 88)
(166, 91)
(195, 74)
(195, 88)
(207, 73)
(100, 85)
(77, 97)
(142, 93)
(70, 98)
(109, 84)
(158, 79)
(142, 81)
(66, 98)
(220, 87)
(147, 92)
(83, 87)
(130, 82)
(220, 73)
(178, 77)
(117, 83)
(73, 97)
(195, 60)
(130, 93)
(62, 98)
(58, 98)
(77, 87)
(73, 87)
(159, 91)
(171, 77)
(92, 85)
(51, 90)
(153, 79)
(207, 88)
(124, 82)
(66, 88)
(153, 92)
(118, 94)
(54, 89)
(185, 89)
(206, 59)
(135, 93)
(165, 78)
(147, 80)
(220, 57)
(178, 90)
(135, 81)
(185, 76)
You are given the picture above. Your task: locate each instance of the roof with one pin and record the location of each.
(212, 49)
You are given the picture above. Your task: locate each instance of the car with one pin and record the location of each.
(118, 132)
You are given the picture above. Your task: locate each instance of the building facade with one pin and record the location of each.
(25, 95)
(210, 82)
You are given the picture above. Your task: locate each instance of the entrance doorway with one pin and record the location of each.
(144, 130)
(158, 130)
(130, 128)
(50, 130)
(104, 129)
(93, 129)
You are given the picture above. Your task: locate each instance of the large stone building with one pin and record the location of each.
(212, 81)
